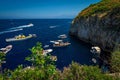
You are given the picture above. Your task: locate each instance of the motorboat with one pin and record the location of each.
(95, 49)
(56, 41)
(30, 25)
(62, 36)
(60, 43)
(20, 37)
(46, 46)
(45, 52)
(6, 49)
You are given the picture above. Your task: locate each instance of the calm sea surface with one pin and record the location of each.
(46, 30)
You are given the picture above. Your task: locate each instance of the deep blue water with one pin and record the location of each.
(77, 51)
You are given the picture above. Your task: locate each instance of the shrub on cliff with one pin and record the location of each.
(76, 71)
(115, 61)
(104, 6)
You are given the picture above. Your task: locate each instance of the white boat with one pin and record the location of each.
(30, 25)
(56, 41)
(95, 49)
(62, 36)
(46, 46)
(6, 49)
(45, 52)
(20, 38)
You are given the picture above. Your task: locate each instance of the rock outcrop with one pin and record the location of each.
(99, 26)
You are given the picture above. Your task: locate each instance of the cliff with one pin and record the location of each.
(99, 24)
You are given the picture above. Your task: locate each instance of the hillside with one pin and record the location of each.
(105, 6)
(99, 24)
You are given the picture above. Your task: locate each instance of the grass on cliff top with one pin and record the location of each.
(100, 7)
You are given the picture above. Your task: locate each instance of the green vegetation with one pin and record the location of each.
(2, 60)
(2, 57)
(115, 61)
(43, 68)
(104, 6)
(82, 72)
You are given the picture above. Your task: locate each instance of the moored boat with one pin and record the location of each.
(6, 49)
(95, 49)
(20, 37)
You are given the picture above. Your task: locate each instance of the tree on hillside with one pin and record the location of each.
(42, 68)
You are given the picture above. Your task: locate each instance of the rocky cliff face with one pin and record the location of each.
(102, 29)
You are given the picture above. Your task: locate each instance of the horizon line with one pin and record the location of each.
(34, 18)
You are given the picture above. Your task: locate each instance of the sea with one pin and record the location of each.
(46, 30)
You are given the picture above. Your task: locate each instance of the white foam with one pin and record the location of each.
(14, 29)
(8, 31)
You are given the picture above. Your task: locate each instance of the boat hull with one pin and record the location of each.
(6, 49)
(13, 39)
(61, 45)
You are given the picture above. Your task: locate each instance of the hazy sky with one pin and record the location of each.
(42, 8)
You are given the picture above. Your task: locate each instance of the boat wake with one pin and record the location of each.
(14, 29)
(8, 31)
(24, 26)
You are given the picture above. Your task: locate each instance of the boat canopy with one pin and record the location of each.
(56, 42)
(96, 48)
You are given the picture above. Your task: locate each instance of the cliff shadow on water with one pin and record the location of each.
(103, 59)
